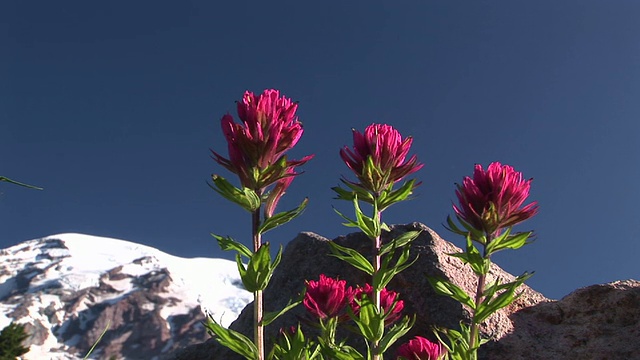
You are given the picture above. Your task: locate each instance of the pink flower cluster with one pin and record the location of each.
(420, 349)
(492, 199)
(257, 146)
(378, 157)
(329, 297)
(389, 302)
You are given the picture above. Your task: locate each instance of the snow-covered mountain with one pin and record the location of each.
(67, 288)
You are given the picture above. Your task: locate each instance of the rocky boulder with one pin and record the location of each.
(308, 256)
(599, 322)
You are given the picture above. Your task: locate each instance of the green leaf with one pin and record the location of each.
(242, 270)
(356, 190)
(282, 218)
(349, 223)
(246, 198)
(369, 320)
(369, 226)
(401, 241)
(271, 316)
(401, 194)
(490, 305)
(386, 273)
(446, 288)
(352, 257)
(508, 241)
(454, 228)
(259, 268)
(343, 194)
(476, 234)
(479, 264)
(396, 332)
(343, 353)
(233, 340)
(227, 243)
(6, 179)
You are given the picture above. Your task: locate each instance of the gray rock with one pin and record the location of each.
(599, 322)
(307, 256)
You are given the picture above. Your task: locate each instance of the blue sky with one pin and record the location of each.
(112, 107)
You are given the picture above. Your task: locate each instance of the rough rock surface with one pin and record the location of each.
(306, 257)
(599, 322)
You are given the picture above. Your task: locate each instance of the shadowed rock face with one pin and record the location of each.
(307, 256)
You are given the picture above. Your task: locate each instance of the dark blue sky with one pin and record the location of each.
(112, 108)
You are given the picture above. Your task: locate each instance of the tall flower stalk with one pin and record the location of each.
(490, 204)
(257, 148)
(379, 161)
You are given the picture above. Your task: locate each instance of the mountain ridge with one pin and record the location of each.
(67, 287)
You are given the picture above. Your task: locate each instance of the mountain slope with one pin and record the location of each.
(67, 288)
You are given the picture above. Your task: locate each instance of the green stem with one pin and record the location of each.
(258, 305)
(474, 325)
(376, 268)
(473, 333)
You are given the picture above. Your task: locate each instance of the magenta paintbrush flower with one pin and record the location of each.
(493, 199)
(420, 348)
(378, 157)
(388, 302)
(257, 146)
(327, 297)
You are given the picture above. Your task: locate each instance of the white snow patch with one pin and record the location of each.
(205, 282)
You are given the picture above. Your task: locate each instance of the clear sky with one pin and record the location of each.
(112, 107)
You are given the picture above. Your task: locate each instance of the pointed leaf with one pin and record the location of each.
(349, 223)
(491, 305)
(6, 179)
(259, 269)
(352, 257)
(396, 332)
(401, 194)
(227, 243)
(369, 320)
(444, 287)
(343, 194)
(368, 225)
(508, 241)
(233, 340)
(386, 273)
(401, 241)
(359, 191)
(246, 198)
(271, 316)
(282, 218)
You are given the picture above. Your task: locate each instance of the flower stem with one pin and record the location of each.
(474, 325)
(258, 306)
(376, 268)
(473, 333)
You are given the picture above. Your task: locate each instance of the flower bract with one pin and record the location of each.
(258, 144)
(327, 297)
(389, 302)
(378, 157)
(493, 199)
(420, 348)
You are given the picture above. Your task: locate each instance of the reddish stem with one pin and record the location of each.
(258, 305)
